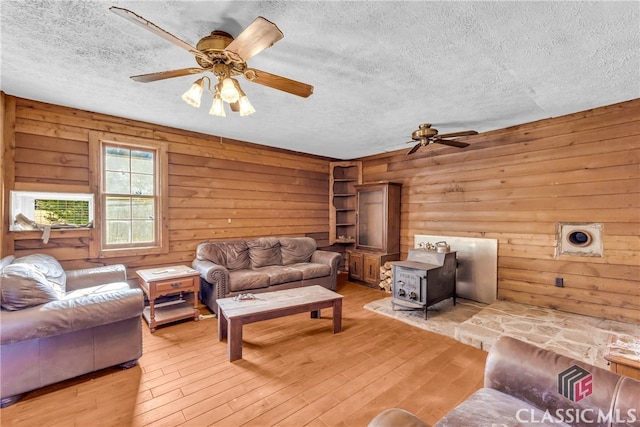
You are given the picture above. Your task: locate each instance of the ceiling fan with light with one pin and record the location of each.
(225, 57)
(427, 135)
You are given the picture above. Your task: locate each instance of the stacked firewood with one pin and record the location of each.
(386, 276)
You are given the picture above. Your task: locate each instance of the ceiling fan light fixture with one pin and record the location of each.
(194, 94)
(245, 107)
(228, 91)
(217, 108)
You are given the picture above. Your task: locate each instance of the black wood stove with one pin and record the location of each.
(425, 278)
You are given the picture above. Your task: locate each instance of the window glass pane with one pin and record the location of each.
(117, 182)
(117, 159)
(142, 209)
(142, 184)
(143, 231)
(118, 232)
(142, 162)
(130, 211)
(118, 208)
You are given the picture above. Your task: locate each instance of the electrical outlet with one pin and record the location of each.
(560, 282)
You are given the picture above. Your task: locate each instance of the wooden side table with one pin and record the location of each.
(157, 282)
(622, 362)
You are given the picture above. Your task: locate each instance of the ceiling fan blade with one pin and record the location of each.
(152, 77)
(258, 36)
(463, 133)
(278, 82)
(415, 148)
(451, 143)
(150, 26)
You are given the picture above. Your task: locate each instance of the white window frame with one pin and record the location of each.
(22, 202)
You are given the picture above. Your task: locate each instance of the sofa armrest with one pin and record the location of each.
(533, 374)
(95, 276)
(215, 274)
(329, 258)
(68, 315)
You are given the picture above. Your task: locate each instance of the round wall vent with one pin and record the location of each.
(579, 238)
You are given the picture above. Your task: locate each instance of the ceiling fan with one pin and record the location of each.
(427, 135)
(225, 57)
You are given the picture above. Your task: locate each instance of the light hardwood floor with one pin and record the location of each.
(294, 372)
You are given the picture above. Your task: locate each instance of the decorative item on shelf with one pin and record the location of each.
(440, 247)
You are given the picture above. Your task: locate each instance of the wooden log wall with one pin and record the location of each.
(516, 184)
(219, 189)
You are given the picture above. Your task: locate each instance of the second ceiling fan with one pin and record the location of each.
(225, 57)
(427, 135)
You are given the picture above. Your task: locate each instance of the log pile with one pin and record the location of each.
(386, 276)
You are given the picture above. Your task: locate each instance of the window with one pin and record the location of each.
(132, 191)
(32, 210)
(129, 194)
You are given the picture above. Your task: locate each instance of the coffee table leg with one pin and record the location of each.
(337, 315)
(235, 340)
(315, 314)
(222, 325)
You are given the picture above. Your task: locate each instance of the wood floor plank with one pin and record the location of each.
(294, 372)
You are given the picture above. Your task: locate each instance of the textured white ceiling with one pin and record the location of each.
(379, 68)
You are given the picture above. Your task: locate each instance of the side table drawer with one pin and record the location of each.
(176, 285)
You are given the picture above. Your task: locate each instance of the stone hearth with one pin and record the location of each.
(580, 337)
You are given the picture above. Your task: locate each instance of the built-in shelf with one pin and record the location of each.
(343, 179)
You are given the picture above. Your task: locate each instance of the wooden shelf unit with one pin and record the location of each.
(343, 178)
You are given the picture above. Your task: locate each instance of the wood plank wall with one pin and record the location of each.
(515, 184)
(219, 189)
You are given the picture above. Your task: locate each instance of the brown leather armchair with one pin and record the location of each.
(527, 385)
(56, 324)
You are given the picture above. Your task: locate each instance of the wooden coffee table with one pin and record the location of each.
(234, 313)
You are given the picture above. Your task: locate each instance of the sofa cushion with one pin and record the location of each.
(232, 255)
(6, 261)
(311, 271)
(50, 268)
(297, 249)
(264, 251)
(31, 280)
(244, 280)
(21, 286)
(279, 274)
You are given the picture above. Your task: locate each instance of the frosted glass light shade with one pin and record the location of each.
(217, 108)
(245, 106)
(228, 91)
(194, 94)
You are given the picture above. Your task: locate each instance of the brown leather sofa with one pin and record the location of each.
(56, 324)
(229, 268)
(525, 385)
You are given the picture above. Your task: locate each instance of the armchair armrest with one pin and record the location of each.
(68, 315)
(329, 258)
(88, 277)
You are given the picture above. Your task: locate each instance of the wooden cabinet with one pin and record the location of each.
(343, 178)
(356, 260)
(377, 227)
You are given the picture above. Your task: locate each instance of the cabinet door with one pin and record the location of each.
(356, 265)
(371, 273)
